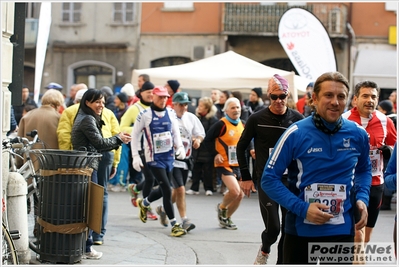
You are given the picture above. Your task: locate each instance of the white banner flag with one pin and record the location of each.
(306, 42)
(41, 45)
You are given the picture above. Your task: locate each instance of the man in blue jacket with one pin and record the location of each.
(329, 176)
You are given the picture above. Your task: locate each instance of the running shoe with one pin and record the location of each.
(192, 192)
(228, 224)
(142, 210)
(177, 230)
(162, 216)
(187, 225)
(93, 255)
(222, 213)
(133, 194)
(261, 258)
(151, 215)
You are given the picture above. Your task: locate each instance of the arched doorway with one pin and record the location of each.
(95, 74)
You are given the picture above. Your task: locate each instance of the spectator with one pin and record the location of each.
(172, 86)
(386, 107)
(128, 89)
(220, 105)
(44, 119)
(120, 105)
(203, 159)
(244, 108)
(255, 102)
(215, 94)
(302, 102)
(109, 97)
(26, 100)
(86, 133)
(393, 97)
(58, 87)
(13, 123)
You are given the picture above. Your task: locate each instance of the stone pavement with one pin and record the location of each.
(143, 247)
(130, 242)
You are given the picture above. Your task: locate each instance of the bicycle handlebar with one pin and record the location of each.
(21, 142)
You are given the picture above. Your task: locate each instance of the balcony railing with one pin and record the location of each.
(262, 20)
(31, 28)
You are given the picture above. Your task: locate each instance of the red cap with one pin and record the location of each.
(160, 91)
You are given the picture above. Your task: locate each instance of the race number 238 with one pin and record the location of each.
(334, 204)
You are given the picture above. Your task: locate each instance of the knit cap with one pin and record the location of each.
(174, 84)
(258, 91)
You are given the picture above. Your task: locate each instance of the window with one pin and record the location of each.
(123, 12)
(71, 12)
(169, 61)
(32, 10)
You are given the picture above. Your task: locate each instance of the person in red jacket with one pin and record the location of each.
(382, 137)
(173, 87)
(302, 102)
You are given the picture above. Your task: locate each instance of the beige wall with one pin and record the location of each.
(158, 46)
(96, 25)
(96, 39)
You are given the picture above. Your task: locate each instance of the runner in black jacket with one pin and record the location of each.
(265, 128)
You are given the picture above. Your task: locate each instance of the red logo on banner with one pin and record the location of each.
(290, 46)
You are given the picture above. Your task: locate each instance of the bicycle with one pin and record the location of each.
(8, 250)
(20, 147)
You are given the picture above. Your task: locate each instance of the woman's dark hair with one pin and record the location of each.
(91, 95)
(227, 93)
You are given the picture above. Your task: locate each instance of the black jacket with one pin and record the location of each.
(264, 128)
(204, 152)
(86, 133)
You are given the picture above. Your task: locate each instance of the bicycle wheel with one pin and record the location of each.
(9, 252)
(33, 202)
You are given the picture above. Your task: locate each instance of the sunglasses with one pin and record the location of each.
(274, 97)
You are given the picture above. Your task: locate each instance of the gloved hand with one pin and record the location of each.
(137, 163)
(181, 153)
(386, 151)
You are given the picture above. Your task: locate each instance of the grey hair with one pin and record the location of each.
(229, 100)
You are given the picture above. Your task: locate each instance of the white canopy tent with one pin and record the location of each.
(226, 71)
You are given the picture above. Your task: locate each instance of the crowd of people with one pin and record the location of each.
(153, 141)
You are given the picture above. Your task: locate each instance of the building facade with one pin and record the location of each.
(101, 43)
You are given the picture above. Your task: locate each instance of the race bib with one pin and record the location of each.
(162, 142)
(232, 155)
(375, 158)
(332, 195)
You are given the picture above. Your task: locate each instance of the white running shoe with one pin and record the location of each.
(93, 255)
(191, 192)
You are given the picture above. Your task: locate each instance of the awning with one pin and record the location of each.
(379, 66)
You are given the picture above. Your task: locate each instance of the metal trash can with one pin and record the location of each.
(63, 187)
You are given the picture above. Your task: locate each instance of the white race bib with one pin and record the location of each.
(333, 195)
(162, 142)
(375, 158)
(232, 155)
